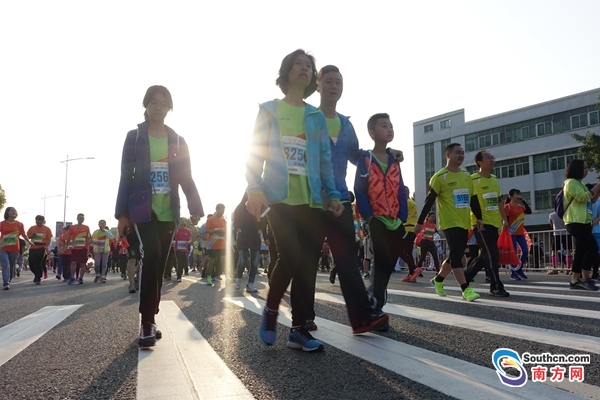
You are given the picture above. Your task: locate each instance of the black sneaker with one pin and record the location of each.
(499, 293)
(332, 277)
(487, 279)
(147, 335)
(576, 286)
(588, 285)
(157, 333)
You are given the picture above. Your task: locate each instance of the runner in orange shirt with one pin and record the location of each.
(40, 235)
(10, 231)
(79, 239)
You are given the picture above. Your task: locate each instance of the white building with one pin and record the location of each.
(532, 147)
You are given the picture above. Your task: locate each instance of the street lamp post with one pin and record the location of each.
(47, 197)
(66, 162)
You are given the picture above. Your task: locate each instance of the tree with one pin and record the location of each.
(590, 149)
(2, 198)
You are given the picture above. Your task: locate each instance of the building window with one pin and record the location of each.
(511, 168)
(471, 169)
(544, 128)
(428, 128)
(471, 142)
(554, 161)
(594, 118)
(544, 199)
(561, 122)
(445, 124)
(429, 162)
(444, 144)
(579, 121)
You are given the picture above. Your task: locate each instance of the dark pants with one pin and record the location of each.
(37, 260)
(406, 248)
(386, 251)
(66, 263)
(340, 236)
(272, 256)
(586, 248)
(428, 246)
(122, 263)
(155, 241)
(488, 260)
(181, 258)
(295, 232)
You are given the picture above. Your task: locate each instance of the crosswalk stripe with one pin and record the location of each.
(15, 337)
(567, 297)
(561, 289)
(183, 365)
(551, 283)
(503, 304)
(586, 344)
(448, 375)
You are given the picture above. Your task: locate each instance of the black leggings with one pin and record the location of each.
(295, 232)
(155, 241)
(586, 248)
(488, 260)
(428, 246)
(37, 261)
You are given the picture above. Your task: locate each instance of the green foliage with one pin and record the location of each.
(590, 149)
(2, 198)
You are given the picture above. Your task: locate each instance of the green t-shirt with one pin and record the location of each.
(454, 191)
(293, 140)
(159, 178)
(334, 127)
(488, 194)
(390, 223)
(578, 198)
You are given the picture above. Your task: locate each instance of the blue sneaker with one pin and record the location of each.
(268, 327)
(71, 280)
(300, 338)
(81, 281)
(521, 274)
(514, 276)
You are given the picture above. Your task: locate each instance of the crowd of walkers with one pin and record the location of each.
(296, 199)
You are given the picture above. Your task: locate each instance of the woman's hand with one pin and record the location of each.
(255, 204)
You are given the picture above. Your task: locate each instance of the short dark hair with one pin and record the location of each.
(7, 210)
(220, 205)
(285, 68)
(152, 90)
(373, 120)
(575, 169)
(325, 70)
(40, 218)
(479, 156)
(451, 147)
(80, 214)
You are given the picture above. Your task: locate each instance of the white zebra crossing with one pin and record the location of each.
(453, 377)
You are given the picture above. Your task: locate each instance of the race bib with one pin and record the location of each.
(490, 201)
(37, 238)
(9, 239)
(159, 177)
(295, 153)
(79, 242)
(181, 245)
(461, 198)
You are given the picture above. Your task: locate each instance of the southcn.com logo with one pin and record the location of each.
(511, 370)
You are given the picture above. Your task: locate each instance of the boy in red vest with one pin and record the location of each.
(382, 202)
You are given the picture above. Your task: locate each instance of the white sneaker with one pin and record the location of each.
(251, 288)
(237, 284)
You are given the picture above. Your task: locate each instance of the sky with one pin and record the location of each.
(75, 73)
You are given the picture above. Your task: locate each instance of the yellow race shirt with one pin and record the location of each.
(488, 194)
(293, 140)
(454, 191)
(411, 220)
(334, 127)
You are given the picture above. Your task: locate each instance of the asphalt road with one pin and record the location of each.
(437, 348)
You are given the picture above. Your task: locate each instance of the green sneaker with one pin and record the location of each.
(209, 281)
(439, 287)
(469, 294)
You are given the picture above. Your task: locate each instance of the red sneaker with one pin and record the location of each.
(374, 322)
(406, 278)
(415, 275)
(45, 275)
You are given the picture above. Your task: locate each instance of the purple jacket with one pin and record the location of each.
(134, 199)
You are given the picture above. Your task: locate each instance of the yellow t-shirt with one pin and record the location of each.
(412, 218)
(488, 194)
(334, 127)
(159, 178)
(454, 191)
(293, 140)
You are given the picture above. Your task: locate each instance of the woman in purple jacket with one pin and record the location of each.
(155, 163)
